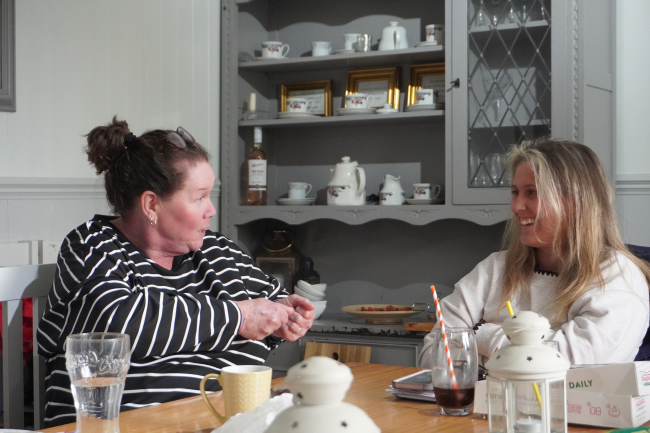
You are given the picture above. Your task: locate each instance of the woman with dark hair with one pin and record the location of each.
(564, 260)
(191, 301)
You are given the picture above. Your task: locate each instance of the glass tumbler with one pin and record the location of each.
(97, 364)
(454, 399)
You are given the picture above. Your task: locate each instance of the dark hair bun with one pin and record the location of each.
(106, 143)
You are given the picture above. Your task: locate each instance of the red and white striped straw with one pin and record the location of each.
(454, 382)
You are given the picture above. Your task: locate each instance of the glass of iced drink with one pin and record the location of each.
(97, 364)
(454, 391)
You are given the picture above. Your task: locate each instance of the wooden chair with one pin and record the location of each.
(17, 283)
(339, 352)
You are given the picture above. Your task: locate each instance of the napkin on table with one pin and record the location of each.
(258, 419)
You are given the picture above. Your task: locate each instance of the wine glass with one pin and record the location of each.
(495, 9)
(496, 93)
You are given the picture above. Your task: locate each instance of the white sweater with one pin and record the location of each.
(603, 326)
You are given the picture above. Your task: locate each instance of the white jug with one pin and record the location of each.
(392, 192)
(348, 184)
(393, 37)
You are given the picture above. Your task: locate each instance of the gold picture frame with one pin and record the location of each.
(318, 91)
(430, 76)
(383, 82)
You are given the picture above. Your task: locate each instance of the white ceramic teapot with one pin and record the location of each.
(318, 385)
(392, 193)
(348, 184)
(393, 37)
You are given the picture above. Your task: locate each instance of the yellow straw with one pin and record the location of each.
(537, 394)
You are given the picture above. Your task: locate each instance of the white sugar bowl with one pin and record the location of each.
(319, 385)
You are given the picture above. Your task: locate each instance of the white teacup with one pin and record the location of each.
(436, 33)
(424, 96)
(299, 105)
(274, 49)
(321, 48)
(298, 190)
(358, 100)
(350, 40)
(423, 191)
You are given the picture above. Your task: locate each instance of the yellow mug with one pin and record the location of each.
(244, 388)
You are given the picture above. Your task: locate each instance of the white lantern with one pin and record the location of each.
(526, 381)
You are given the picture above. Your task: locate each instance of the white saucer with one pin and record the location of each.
(343, 51)
(427, 44)
(424, 107)
(425, 200)
(352, 111)
(387, 111)
(295, 201)
(293, 114)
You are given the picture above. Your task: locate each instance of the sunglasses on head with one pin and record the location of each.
(179, 138)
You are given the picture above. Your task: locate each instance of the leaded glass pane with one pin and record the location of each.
(509, 82)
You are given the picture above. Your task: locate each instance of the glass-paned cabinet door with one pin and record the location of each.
(506, 98)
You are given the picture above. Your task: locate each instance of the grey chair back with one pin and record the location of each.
(17, 283)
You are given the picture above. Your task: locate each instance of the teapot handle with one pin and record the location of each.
(362, 183)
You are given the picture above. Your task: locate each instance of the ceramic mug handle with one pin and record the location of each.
(222, 419)
(435, 191)
(310, 105)
(308, 185)
(282, 49)
(370, 100)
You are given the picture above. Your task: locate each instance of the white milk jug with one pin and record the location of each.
(393, 37)
(392, 193)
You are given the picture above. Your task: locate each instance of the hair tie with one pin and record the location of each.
(130, 139)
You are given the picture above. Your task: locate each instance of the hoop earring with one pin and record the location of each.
(153, 222)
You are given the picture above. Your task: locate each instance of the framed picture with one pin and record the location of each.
(431, 76)
(382, 84)
(318, 91)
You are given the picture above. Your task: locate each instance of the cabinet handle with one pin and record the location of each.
(455, 83)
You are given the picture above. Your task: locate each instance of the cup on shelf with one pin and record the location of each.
(274, 49)
(424, 191)
(299, 190)
(364, 43)
(350, 41)
(321, 48)
(436, 33)
(424, 96)
(358, 100)
(299, 105)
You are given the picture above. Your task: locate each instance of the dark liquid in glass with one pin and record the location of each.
(454, 398)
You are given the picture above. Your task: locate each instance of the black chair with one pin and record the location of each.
(644, 349)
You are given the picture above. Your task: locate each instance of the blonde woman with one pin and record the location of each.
(565, 260)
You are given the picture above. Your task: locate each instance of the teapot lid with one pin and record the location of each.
(346, 160)
(320, 369)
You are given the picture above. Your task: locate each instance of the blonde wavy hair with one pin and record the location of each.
(573, 186)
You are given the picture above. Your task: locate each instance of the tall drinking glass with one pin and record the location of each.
(454, 400)
(97, 364)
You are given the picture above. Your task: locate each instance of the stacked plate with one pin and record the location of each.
(314, 292)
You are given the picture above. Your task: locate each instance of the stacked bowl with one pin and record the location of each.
(314, 292)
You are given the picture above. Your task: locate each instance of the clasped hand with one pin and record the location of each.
(288, 318)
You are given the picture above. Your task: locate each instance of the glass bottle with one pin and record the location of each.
(257, 173)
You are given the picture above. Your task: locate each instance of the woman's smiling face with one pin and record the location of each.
(536, 233)
(186, 214)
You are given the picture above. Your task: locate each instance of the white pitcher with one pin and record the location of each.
(348, 184)
(393, 37)
(392, 193)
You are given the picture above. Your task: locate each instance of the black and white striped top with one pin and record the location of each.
(183, 322)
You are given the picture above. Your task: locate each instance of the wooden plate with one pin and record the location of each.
(380, 317)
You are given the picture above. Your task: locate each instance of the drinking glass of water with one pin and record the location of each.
(454, 397)
(97, 364)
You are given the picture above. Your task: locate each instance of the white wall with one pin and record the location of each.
(154, 63)
(632, 117)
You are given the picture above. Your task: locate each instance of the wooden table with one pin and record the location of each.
(367, 392)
